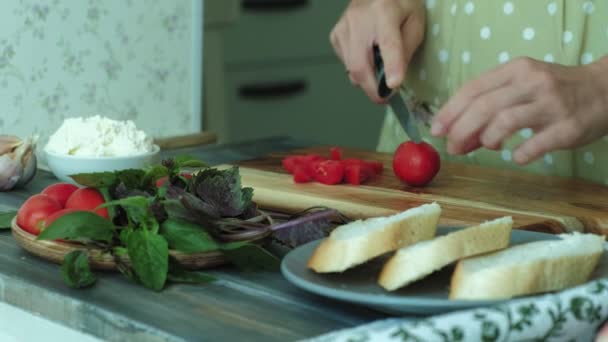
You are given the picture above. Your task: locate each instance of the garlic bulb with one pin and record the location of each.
(17, 161)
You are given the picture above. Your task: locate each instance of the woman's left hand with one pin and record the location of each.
(565, 106)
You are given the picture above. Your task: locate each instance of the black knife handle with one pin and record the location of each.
(383, 90)
(268, 90)
(272, 5)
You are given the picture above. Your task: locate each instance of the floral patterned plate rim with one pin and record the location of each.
(358, 285)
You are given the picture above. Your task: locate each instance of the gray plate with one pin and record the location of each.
(358, 285)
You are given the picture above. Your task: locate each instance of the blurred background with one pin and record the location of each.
(270, 70)
(235, 70)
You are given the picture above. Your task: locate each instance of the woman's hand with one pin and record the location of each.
(565, 106)
(397, 26)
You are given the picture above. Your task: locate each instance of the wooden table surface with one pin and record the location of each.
(264, 306)
(240, 306)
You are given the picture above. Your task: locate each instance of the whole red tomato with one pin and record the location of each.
(56, 215)
(34, 211)
(416, 164)
(60, 191)
(87, 199)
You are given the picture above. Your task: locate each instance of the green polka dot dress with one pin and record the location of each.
(465, 38)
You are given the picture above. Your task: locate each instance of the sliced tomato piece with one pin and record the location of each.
(356, 174)
(378, 167)
(329, 172)
(352, 161)
(370, 168)
(335, 153)
(289, 163)
(302, 174)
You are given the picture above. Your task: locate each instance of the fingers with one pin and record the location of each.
(382, 22)
(391, 47)
(481, 111)
(457, 104)
(507, 122)
(334, 38)
(559, 136)
(360, 66)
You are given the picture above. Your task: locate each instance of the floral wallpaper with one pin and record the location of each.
(124, 59)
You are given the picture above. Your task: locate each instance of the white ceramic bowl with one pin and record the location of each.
(63, 166)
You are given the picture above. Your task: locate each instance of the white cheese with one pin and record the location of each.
(98, 136)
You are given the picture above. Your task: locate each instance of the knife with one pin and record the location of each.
(397, 103)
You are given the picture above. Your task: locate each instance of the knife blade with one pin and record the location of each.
(396, 102)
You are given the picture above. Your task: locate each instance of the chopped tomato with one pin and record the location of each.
(369, 168)
(332, 170)
(329, 172)
(335, 153)
(378, 167)
(355, 174)
(290, 162)
(302, 174)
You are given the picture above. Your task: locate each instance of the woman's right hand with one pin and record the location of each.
(396, 26)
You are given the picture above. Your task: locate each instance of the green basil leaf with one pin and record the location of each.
(96, 179)
(124, 235)
(105, 192)
(80, 225)
(132, 178)
(76, 271)
(187, 237)
(6, 219)
(250, 257)
(149, 256)
(189, 277)
(135, 206)
(184, 161)
(153, 174)
(149, 223)
(120, 251)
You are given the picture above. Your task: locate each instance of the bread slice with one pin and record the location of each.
(529, 268)
(416, 262)
(356, 242)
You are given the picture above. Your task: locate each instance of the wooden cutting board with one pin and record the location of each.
(467, 194)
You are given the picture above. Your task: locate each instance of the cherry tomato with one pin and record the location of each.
(329, 172)
(56, 215)
(416, 164)
(34, 211)
(60, 191)
(87, 199)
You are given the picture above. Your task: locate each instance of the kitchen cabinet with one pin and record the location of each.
(273, 72)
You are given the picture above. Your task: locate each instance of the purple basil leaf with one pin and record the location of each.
(304, 232)
(305, 228)
(194, 205)
(250, 211)
(158, 211)
(122, 191)
(221, 190)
